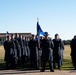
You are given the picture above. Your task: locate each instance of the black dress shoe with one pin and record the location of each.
(74, 68)
(59, 68)
(51, 70)
(42, 71)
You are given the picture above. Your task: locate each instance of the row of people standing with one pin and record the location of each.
(52, 52)
(17, 49)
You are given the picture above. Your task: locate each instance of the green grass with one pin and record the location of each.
(2, 64)
(67, 65)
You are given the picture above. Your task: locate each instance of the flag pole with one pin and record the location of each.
(38, 40)
(39, 57)
(37, 19)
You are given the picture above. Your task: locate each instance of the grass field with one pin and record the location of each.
(67, 65)
(1, 52)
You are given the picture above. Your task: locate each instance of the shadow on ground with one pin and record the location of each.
(67, 65)
(72, 71)
(21, 72)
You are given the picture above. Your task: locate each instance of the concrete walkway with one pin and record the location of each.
(37, 72)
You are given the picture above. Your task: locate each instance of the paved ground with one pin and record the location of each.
(37, 72)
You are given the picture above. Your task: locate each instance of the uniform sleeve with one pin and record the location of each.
(37, 43)
(52, 44)
(62, 45)
(29, 43)
(17, 44)
(41, 44)
(4, 45)
(71, 44)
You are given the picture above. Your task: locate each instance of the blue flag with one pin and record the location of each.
(39, 31)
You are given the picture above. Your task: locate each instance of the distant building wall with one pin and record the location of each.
(3, 36)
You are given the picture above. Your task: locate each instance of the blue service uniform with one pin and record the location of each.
(8, 54)
(73, 52)
(46, 46)
(27, 50)
(20, 41)
(18, 48)
(57, 53)
(13, 54)
(33, 53)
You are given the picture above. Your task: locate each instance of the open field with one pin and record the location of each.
(66, 52)
(67, 65)
(1, 52)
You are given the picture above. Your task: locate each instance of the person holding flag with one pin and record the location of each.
(46, 45)
(39, 31)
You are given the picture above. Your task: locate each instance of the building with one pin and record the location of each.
(3, 36)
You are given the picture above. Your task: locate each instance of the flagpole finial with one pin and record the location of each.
(37, 19)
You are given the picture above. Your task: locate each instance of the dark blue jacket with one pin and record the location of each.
(46, 46)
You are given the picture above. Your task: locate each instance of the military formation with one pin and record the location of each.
(19, 50)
